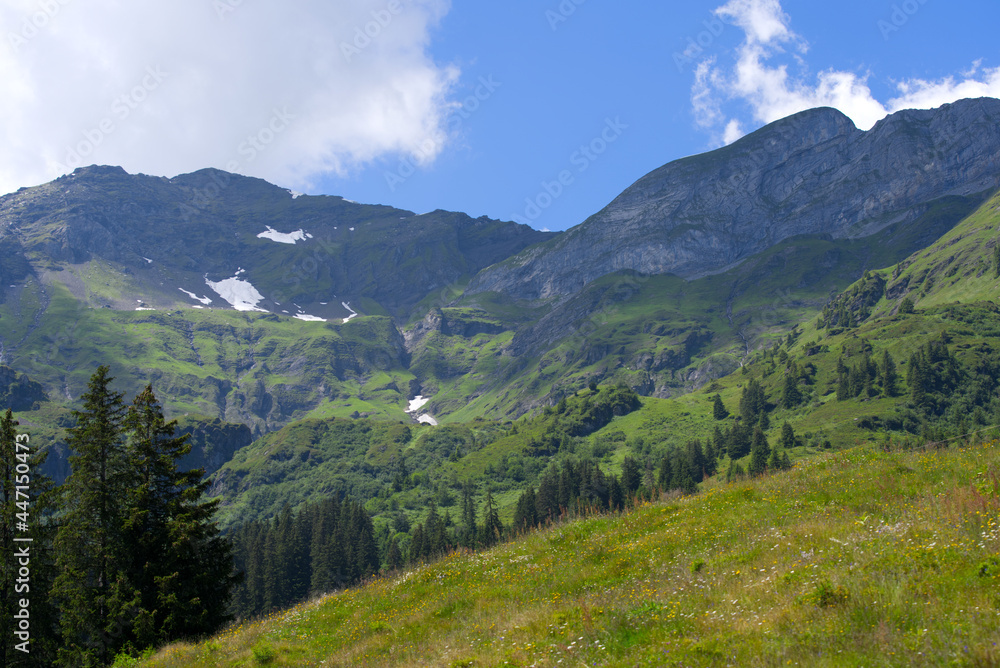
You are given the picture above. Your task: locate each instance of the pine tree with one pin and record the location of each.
(492, 526)
(181, 568)
(790, 395)
(787, 440)
(752, 402)
(759, 452)
(888, 375)
(616, 496)
(631, 475)
(719, 411)
(774, 459)
(393, 556)
(526, 513)
(93, 588)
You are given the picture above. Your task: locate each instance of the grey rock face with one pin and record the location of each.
(811, 173)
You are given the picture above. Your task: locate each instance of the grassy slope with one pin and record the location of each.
(862, 557)
(294, 468)
(210, 361)
(629, 321)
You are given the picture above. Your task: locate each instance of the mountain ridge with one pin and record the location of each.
(809, 173)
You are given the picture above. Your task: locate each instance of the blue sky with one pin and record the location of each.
(539, 111)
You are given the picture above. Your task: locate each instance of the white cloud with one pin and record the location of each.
(761, 79)
(285, 91)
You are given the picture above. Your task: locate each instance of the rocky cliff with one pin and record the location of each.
(811, 173)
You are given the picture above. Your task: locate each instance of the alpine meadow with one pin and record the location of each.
(745, 414)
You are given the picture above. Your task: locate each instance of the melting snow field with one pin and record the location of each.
(309, 318)
(240, 294)
(282, 238)
(416, 403)
(203, 300)
(353, 314)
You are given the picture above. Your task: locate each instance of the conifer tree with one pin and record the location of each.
(719, 411)
(417, 544)
(180, 566)
(888, 375)
(492, 526)
(790, 395)
(616, 496)
(526, 512)
(631, 475)
(759, 452)
(93, 588)
(787, 440)
(393, 556)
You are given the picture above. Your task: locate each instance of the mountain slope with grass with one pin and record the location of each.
(864, 557)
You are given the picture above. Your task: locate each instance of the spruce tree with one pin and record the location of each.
(888, 375)
(616, 496)
(393, 556)
(492, 530)
(526, 512)
(790, 395)
(631, 475)
(719, 411)
(787, 440)
(180, 566)
(759, 452)
(95, 594)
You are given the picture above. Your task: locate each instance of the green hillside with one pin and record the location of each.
(863, 557)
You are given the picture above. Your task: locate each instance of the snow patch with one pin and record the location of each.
(351, 229)
(144, 308)
(240, 294)
(203, 300)
(147, 260)
(295, 195)
(416, 403)
(353, 313)
(282, 238)
(309, 318)
(427, 419)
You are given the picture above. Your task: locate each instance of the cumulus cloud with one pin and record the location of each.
(770, 79)
(285, 91)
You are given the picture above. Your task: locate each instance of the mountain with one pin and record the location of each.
(811, 173)
(220, 239)
(243, 302)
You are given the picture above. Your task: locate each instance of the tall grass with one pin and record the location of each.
(864, 557)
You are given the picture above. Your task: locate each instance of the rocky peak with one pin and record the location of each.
(810, 173)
